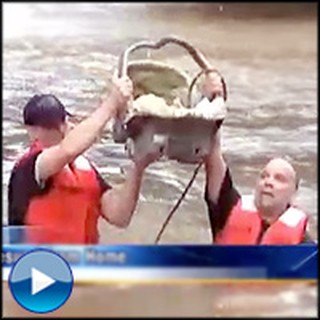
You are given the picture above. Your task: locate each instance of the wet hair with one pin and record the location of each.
(45, 111)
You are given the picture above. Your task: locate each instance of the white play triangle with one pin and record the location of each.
(40, 281)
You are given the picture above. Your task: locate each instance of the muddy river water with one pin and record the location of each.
(268, 57)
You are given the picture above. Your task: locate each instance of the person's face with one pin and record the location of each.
(50, 136)
(66, 127)
(55, 135)
(276, 186)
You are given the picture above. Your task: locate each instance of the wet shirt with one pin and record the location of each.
(23, 186)
(228, 198)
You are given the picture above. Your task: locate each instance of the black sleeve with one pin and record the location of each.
(307, 238)
(22, 187)
(104, 186)
(219, 211)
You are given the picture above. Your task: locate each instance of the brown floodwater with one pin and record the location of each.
(268, 56)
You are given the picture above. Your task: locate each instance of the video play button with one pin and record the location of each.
(41, 281)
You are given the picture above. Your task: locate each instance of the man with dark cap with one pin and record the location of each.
(54, 188)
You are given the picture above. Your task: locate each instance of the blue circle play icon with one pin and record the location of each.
(41, 281)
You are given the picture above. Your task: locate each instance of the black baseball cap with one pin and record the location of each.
(44, 110)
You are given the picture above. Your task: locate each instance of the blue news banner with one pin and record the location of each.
(169, 262)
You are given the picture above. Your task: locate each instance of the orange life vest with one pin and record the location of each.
(244, 226)
(69, 212)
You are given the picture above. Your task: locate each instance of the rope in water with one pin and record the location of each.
(176, 206)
